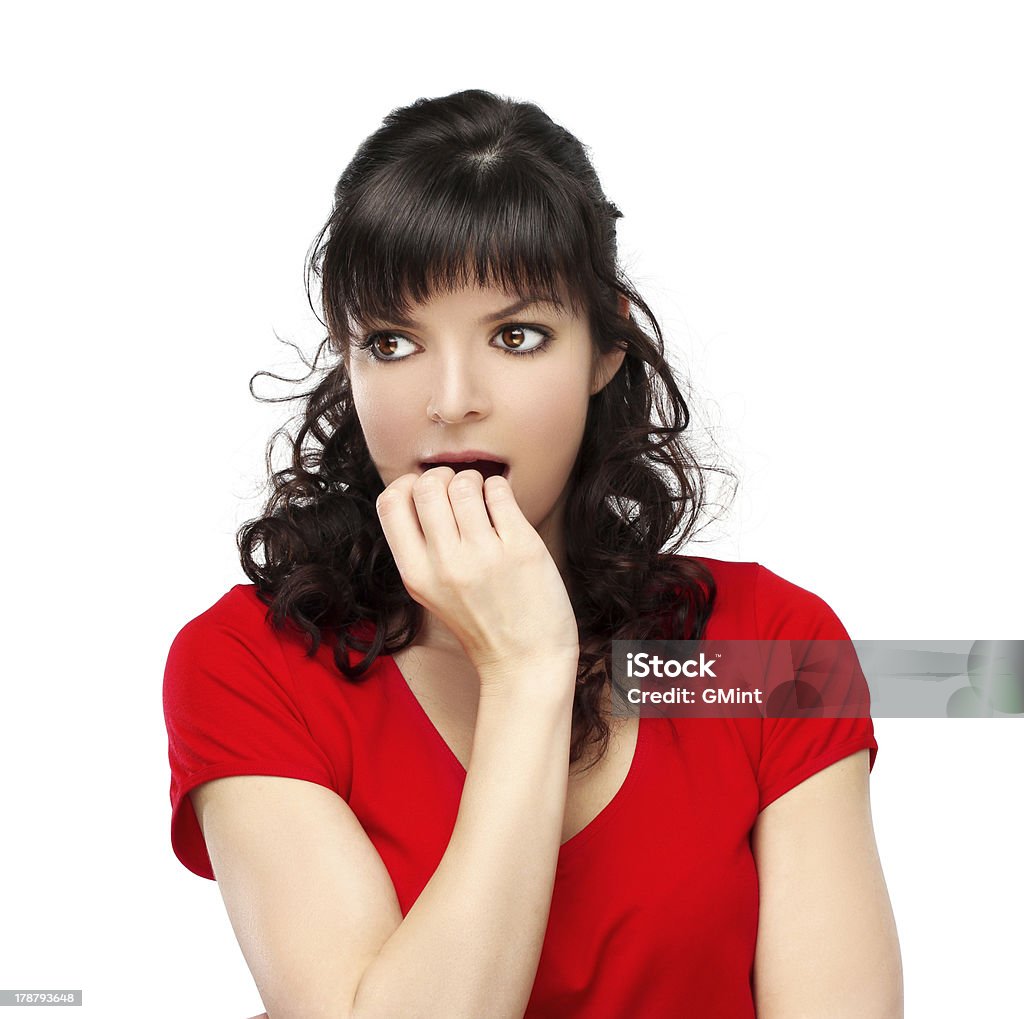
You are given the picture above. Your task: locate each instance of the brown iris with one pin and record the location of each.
(514, 329)
(390, 340)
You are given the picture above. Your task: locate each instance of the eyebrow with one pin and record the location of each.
(528, 301)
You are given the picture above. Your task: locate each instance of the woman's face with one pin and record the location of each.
(477, 369)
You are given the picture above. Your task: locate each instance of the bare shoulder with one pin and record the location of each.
(826, 939)
(309, 898)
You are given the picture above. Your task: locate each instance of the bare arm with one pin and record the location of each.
(471, 943)
(310, 900)
(826, 941)
(316, 915)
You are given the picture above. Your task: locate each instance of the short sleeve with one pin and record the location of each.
(230, 708)
(793, 749)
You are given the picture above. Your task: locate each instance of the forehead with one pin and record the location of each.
(481, 303)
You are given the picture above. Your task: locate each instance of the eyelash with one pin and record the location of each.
(367, 343)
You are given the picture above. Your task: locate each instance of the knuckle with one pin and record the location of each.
(396, 492)
(434, 480)
(466, 483)
(411, 579)
(529, 548)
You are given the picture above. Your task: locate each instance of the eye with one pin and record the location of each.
(382, 346)
(516, 330)
(370, 346)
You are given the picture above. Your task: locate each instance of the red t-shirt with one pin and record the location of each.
(655, 903)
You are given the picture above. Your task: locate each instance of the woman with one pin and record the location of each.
(405, 773)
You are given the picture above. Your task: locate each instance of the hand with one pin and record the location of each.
(467, 554)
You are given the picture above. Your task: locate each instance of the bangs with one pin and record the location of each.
(446, 224)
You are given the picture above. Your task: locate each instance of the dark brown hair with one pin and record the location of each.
(474, 185)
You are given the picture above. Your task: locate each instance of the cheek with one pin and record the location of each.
(548, 432)
(386, 424)
(551, 422)
(554, 420)
(555, 410)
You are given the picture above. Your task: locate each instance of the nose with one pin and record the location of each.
(458, 390)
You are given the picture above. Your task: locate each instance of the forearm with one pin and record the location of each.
(471, 943)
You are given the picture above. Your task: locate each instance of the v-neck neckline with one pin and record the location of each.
(621, 796)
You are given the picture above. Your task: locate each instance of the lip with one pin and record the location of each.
(463, 456)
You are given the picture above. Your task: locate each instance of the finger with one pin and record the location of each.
(430, 496)
(506, 516)
(466, 494)
(401, 526)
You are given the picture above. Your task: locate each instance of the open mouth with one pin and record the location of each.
(488, 468)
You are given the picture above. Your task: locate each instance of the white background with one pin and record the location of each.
(823, 207)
